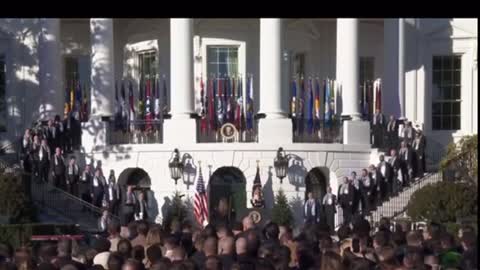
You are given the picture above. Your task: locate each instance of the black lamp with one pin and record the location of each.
(281, 164)
(175, 166)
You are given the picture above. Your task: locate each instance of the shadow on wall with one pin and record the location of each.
(296, 172)
(167, 204)
(268, 190)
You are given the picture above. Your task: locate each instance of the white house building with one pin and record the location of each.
(427, 67)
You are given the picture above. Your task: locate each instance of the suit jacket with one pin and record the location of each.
(388, 170)
(115, 193)
(58, 165)
(138, 210)
(314, 212)
(379, 122)
(406, 156)
(419, 147)
(345, 198)
(367, 184)
(98, 187)
(73, 174)
(396, 164)
(325, 201)
(25, 149)
(45, 154)
(392, 128)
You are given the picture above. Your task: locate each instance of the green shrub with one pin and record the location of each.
(462, 157)
(281, 212)
(443, 202)
(177, 211)
(14, 203)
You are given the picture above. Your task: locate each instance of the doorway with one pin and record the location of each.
(316, 182)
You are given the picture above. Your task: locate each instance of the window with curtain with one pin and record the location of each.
(446, 92)
(3, 102)
(222, 60)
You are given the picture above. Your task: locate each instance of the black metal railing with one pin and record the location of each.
(395, 206)
(135, 132)
(317, 131)
(227, 133)
(66, 204)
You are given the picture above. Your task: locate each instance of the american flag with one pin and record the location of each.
(200, 201)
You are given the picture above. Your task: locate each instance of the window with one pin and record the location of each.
(446, 92)
(367, 69)
(299, 65)
(222, 60)
(3, 103)
(71, 71)
(147, 65)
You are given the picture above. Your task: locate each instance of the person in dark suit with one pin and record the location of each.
(128, 209)
(395, 163)
(406, 158)
(76, 133)
(25, 151)
(366, 191)
(112, 194)
(73, 175)
(357, 196)
(379, 185)
(345, 196)
(329, 204)
(97, 189)
(311, 210)
(84, 184)
(392, 133)
(43, 157)
(377, 125)
(58, 169)
(386, 178)
(67, 133)
(57, 122)
(418, 147)
(34, 153)
(52, 135)
(141, 207)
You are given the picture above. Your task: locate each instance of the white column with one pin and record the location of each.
(181, 84)
(181, 68)
(401, 66)
(355, 131)
(348, 66)
(271, 56)
(50, 75)
(102, 62)
(276, 128)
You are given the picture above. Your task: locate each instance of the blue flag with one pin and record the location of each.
(327, 104)
(309, 116)
(249, 113)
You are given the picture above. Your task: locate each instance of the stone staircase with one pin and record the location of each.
(397, 205)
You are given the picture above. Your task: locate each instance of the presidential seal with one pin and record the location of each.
(255, 216)
(228, 131)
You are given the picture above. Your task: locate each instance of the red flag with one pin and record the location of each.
(203, 121)
(211, 105)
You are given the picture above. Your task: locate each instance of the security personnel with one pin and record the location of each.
(329, 204)
(345, 196)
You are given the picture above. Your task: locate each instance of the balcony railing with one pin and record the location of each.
(135, 132)
(227, 133)
(317, 131)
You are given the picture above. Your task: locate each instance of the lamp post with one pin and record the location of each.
(175, 166)
(281, 164)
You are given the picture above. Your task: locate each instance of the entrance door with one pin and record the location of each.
(228, 183)
(316, 183)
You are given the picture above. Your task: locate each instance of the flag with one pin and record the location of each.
(204, 120)
(327, 103)
(249, 113)
(301, 105)
(364, 100)
(148, 108)
(293, 102)
(257, 182)
(200, 209)
(66, 109)
(157, 109)
(131, 111)
(317, 105)
(226, 106)
(309, 115)
(78, 101)
(220, 107)
(141, 106)
(72, 98)
(239, 106)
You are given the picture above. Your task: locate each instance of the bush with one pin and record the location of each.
(176, 211)
(281, 212)
(462, 157)
(444, 202)
(14, 203)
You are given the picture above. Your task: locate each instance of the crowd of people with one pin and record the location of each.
(247, 246)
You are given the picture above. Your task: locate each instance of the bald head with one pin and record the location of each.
(226, 245)
(241, 245)
(247, 223)
(210, 246)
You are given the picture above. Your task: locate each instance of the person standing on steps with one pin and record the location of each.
(73, 174)
(366, 187)
(311, 210)
(386, 177)
(329, 203)
(406, 162)
(43, 156)
(357, 196)
(112, 194)
(418, 147)
(97, 189)
(396, 172)
(345, 196)
(141, 207)
(128, 209)
(85, 183)
(25, 151)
